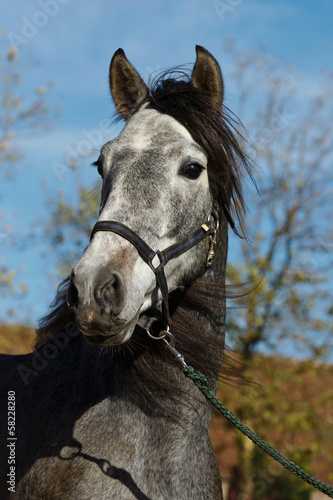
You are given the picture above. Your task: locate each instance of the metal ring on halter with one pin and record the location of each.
(161, 335)
(165, 335)
(215, 216)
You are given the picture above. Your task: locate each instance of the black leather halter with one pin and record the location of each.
(157, 260)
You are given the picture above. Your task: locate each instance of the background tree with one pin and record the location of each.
(19, 116)
(287, 266)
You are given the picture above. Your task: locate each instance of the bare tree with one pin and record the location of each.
(19, 116)
(288, 261)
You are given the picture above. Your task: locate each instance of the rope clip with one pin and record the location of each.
(170, 342)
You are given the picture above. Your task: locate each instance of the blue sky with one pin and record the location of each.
(73, 42)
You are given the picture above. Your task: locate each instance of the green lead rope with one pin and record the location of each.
(202, 383)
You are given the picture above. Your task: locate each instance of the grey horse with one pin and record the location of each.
(101, 409)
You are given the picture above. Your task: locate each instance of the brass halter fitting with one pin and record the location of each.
(211, 251)
(214, 217)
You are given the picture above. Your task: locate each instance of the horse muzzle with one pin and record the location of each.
(98, 306)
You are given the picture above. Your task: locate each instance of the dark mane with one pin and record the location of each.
(219, 133)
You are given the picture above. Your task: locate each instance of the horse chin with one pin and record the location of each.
(111, 339)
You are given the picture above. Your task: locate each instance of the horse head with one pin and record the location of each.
(157, 184)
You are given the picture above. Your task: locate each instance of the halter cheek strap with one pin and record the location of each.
(157, 260)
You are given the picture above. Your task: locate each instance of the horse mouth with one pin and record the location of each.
(101, 337)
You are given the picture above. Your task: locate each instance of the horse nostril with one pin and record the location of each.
(72, 297)
(110, 294)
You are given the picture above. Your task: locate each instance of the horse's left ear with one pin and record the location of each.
(128, 89)
(207, 75)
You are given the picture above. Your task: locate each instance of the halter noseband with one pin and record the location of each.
(157, 260)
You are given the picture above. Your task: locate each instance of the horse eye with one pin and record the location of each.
(193, 171)
(99, 166)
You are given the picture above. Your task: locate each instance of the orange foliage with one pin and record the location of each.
(16, 339)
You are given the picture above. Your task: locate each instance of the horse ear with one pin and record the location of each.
(128, 90)
(207, 75)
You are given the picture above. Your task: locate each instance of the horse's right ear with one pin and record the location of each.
(128, 89)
